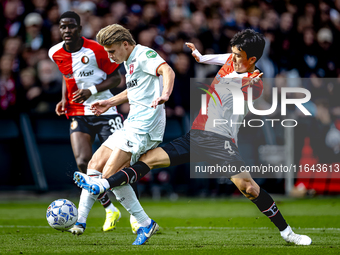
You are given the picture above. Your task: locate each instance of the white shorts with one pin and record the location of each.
(137, 144)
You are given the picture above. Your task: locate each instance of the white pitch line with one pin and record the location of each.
(188, 228)
(259, 228)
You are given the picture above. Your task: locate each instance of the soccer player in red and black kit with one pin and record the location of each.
(215, 144)
(88, 74)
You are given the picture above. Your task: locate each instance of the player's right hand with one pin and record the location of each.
(255, 77)
(193, 48)
(60, 108)
(100, 107)
(160, 100)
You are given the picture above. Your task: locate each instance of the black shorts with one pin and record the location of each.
(199, 146)
(103, 126)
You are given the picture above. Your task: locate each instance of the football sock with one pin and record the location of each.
(103, 198)
(135, 189)
(87, 200)
(81, 219)
(85, 204)
(129, 174)
(108, 206)
(146, 223)
(127, 198)
(268, 207)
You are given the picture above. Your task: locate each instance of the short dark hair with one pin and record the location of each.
(249, 41)
(72, 15)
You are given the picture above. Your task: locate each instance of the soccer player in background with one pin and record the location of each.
(88, 74)
(210, 143)
(144, 128)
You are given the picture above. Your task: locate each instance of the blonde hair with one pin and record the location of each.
(114, 34)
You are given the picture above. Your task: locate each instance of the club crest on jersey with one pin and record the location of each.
(131, 68)
(85, 60)
(74, 124)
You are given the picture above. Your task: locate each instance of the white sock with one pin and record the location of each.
(85, 204)
(81, 219)
(96, 174)
(145, 223)
(127, 198)
(112, 208)
(86, 199)
(284, 233)
(105, 183)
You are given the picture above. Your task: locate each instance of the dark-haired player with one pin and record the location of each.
(88, 74)
(210, 143)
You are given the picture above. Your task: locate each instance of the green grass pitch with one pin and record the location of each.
(188, 226)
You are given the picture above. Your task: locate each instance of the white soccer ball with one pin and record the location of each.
(62, 214)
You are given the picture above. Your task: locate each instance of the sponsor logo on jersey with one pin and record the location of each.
(131, 84)
(131, 68)
(74, 124)
(85, 74)
(85, 60)
(151, 54)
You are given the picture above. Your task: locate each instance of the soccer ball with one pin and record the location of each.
(62, 214)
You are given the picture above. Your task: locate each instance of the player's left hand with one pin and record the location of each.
(81, 95)
(160, 100)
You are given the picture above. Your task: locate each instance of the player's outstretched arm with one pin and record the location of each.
(211, 59)
(112, 81)
(168, 83)
(192, 47)
(102, 106)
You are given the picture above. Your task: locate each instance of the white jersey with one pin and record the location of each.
(143, 86)
(82, 69)
(222, 107)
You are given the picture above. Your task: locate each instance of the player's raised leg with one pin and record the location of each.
(267, 206)
(124, 193)
(155, 158)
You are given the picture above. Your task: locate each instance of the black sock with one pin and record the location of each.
(268, 207)
(104, 200)
(135, 189)
(129, 174)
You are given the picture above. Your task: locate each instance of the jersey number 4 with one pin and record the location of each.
(228, 146)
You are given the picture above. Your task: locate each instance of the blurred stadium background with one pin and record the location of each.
(301, 39)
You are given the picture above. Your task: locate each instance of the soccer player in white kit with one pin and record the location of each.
(216, 145)
(144, 127)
